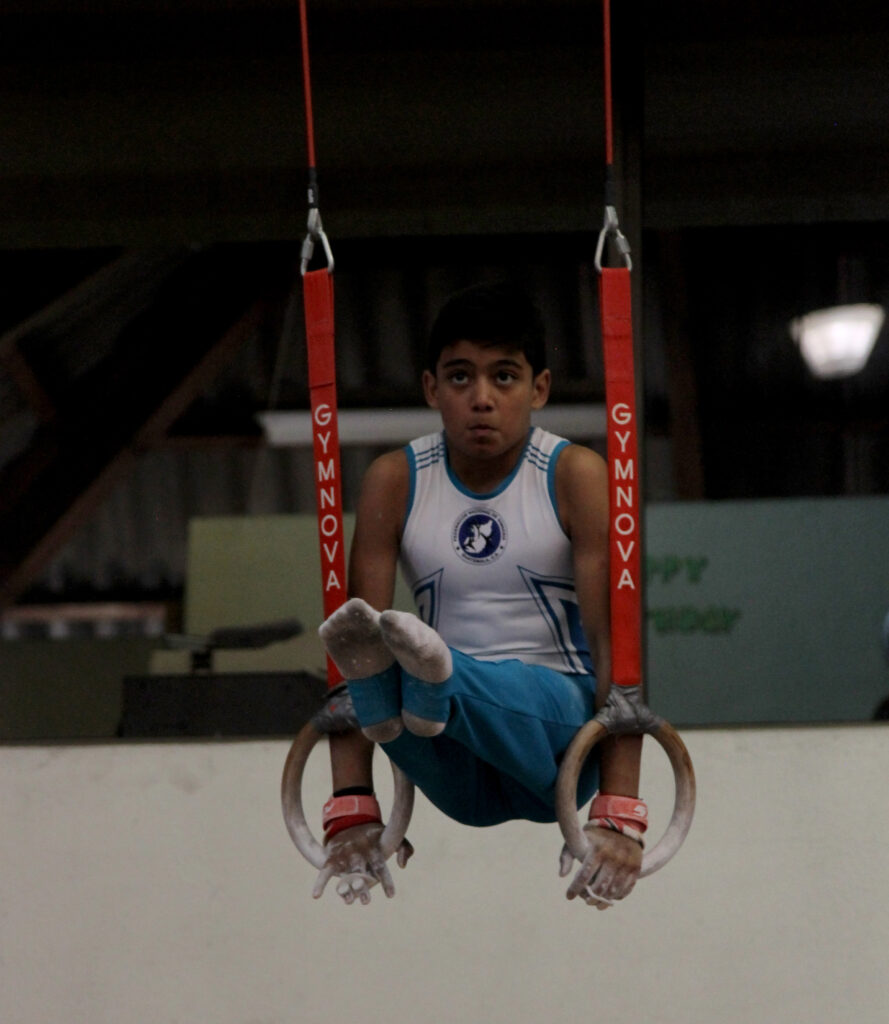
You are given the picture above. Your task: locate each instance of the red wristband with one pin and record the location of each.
(342, 812)
(624, 810)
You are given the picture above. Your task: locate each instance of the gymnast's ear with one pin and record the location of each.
(430, 389)
(540, 389)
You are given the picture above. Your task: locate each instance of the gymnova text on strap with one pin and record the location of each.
(328, 483)
(625, 511)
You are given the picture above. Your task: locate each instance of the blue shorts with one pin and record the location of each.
(507, 727)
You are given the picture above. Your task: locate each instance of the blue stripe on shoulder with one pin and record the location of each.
(412, 479)
(551, 478)
(539, 459)
(428, 458)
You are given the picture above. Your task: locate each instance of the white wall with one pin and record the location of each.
(157, 884)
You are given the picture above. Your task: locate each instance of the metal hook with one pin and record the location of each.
(315, 234)
(611, 229)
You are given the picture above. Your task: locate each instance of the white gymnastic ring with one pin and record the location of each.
(292, 805)
(683, 808)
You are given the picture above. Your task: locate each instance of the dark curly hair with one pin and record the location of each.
(498, 314)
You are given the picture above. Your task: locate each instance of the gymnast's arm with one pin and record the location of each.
(582, 495)
(610, 870)
(353, 854)
(373, 564)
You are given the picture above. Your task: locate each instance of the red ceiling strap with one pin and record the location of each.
(307, 84)
(319, 316)
(606, 64)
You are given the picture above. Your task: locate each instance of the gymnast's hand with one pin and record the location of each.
(609, 870)
(355, 857)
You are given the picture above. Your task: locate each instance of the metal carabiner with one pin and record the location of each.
(315, 234)
(611, 229)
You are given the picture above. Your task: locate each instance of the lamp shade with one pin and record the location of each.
(837, 342)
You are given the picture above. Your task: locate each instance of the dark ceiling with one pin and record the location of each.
(152, 203)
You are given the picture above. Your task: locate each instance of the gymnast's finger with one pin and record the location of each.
(405, 852)
(566, 859)
(385, 876)
(321, 881)
(586, 875)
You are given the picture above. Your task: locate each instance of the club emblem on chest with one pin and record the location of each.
(479, 536)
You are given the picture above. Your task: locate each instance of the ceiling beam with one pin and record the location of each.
(126, 402)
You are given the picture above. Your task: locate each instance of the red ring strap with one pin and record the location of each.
(318, 298)
(623, 473)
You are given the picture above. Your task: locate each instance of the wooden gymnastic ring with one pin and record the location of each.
(683, 808)
(292, 805)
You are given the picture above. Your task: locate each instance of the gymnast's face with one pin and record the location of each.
(485, 395)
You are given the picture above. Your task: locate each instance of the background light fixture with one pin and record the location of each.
(838, 341)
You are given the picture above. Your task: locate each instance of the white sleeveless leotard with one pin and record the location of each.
(492, 573)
